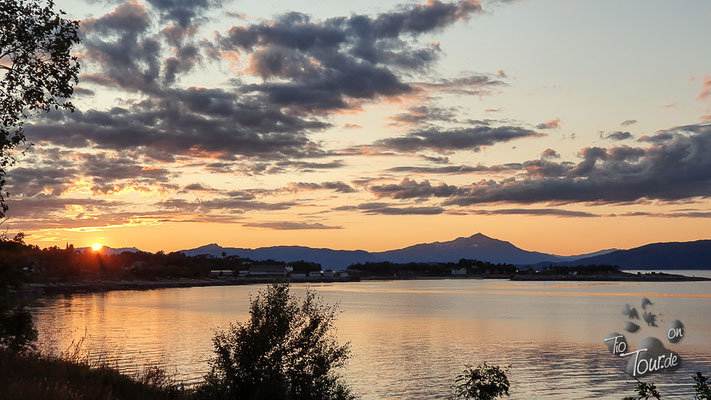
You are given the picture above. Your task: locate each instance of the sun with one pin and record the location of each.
(96, 246)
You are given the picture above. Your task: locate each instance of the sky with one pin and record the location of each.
(560, 126)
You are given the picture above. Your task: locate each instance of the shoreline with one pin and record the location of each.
(105, 285)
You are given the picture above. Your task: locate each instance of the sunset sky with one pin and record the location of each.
(561, 126)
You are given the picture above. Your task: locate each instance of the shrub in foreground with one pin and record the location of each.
(286, 350)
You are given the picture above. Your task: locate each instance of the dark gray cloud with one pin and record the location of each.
(410, 189)
(284, 225)
(675, 169)
(261, 167)
(339, 187)
(557, 212)
(309, 67)
(197, 187)
(338, 62)
(183, 12)
(29, 181)
(232, 204)
(475, 85)
(619, 135)
(440, 140)
(550, 153)
(52, 171)
(387, 209)
(424, 114)
(196, 122)
(119, 44)
(628, 122)
(457, 169)
(44, 207)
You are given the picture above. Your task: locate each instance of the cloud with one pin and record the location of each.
(628, 122)
(196, 122)
(409, 189)
(418, 115)
(53, 171)
(334, 64)
(551, 124)
(474, 84)
(183, 12)
(556, 212)
(119, 44)
(619, 135)
(550, 153)
(458, 169)
(283, 225)
(339, 187)
(386, 209)
(705, 88)
(440, 140)
(46, 207)
(235, 204)
(130, 16)
(675, 169)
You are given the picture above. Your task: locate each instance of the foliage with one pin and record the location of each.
(482, 383)
(645, 391)
(702, 389)
(388, 269)
(286, 350)
(32, 376)
(17, 333)
(37, 71)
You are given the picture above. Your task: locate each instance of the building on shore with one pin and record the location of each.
(221, 274)
(266, 270)
(459, 271)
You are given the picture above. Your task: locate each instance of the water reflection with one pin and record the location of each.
(410, 338)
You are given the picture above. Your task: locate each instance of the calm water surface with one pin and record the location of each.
(409, 339)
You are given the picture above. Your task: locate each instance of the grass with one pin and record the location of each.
(35, 376)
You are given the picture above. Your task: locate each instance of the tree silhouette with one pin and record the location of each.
(481, 383)
(37, 70)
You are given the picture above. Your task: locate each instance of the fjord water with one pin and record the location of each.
(409, 339)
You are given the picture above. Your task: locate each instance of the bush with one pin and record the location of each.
(286, 350)
(702, 389)
(481, 383)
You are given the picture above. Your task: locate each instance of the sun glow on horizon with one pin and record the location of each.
(96, 246)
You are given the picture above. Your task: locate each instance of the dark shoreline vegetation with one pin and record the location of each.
(68, 270)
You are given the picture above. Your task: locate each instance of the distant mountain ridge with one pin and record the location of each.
(338, 259)
(668, 255)
(478, 246)
(109, 250)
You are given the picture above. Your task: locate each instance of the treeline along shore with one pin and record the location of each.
(54, 269)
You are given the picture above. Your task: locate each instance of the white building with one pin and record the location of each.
(269, 270)
(459, 271)
(221, 273)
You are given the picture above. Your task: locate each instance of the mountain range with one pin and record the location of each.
(670, 255)
(686, 255)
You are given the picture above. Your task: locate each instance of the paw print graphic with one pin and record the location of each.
(651, 356)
